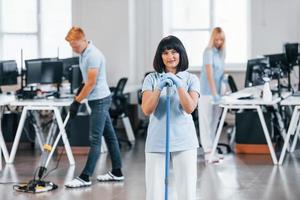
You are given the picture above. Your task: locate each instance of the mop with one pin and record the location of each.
(167, 158)
(40, 185)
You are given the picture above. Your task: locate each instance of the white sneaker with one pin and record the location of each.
(215, 158)
(109, 177)
(77, 183)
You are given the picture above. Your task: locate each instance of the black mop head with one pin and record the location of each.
(36, 186)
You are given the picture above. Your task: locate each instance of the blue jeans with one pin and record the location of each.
(100, 124)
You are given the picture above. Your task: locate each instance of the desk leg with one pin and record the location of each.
(3, 148)
(297, 132)
(62, 133)
(128, 129)
(281, 125)
(291, 130)
(266, 132)
(53, 148)
(38, 129)
(0, 160)
(18, 135)
(219, 131)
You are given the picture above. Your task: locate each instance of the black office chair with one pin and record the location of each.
(232, 84)
(143, 123)
(119, 110)
(231, 134)
(119, 100)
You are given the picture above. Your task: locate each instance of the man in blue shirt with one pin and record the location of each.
(96, 90)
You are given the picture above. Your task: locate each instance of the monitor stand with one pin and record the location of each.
(55, 94)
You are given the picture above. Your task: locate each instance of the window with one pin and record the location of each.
(38, 27)
(193, 20)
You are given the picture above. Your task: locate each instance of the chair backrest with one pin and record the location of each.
(139, 93)
(232, 84)
(119, 100)
(120, 87)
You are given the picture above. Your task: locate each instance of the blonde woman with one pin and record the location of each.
(211, 79)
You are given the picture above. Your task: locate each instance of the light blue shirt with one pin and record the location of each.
(93, 58)
(182, 129)
(214, 58)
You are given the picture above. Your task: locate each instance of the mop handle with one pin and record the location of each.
(167, 158)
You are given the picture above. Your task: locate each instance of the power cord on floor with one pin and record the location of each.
(39, 185)
(35, 172)
(57, 164)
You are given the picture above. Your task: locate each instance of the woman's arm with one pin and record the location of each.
(188, 100)
(149, 101)
(211, 81)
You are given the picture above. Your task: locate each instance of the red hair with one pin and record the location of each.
(74, 34)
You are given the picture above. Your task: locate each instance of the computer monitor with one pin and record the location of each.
(51, 72)
(34, 70)
(255, 71)
(292, 51)
(75, 78)
(67, 64)
(8, 72)
(278, 61)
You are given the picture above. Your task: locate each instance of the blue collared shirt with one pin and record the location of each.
(214, 58)
(93, 58)
(182, 129)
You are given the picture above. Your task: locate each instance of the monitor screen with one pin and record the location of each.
(67, 64)
(8, 72)
(291, 52)
(34, 70)
(255, 71)
(51, 72)
(75, 78)
(278, 61)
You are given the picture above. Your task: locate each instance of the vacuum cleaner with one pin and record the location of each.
(38, 184)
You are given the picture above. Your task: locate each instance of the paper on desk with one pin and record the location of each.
(238, 95)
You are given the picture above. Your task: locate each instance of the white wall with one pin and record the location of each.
(109, 25)
(274, 22)
(149, 27)
(128, 31)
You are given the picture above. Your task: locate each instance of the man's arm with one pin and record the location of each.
(92, 74)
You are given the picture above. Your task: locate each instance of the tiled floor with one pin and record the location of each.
(237, 177)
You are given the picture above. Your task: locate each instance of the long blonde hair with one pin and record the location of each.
(216, 31)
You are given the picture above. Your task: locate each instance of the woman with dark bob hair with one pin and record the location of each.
(170, 64)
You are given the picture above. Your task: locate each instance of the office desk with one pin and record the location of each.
(294, 125)
(228, 102)
(44, 104)
(4, 100)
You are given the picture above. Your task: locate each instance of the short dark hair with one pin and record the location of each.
(167, 43)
